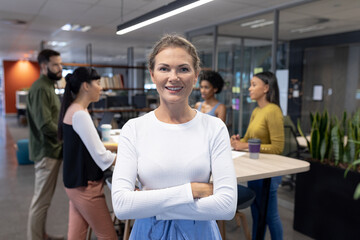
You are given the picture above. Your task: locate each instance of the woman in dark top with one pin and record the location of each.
(85, 158)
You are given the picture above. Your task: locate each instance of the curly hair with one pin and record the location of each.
(213, 78)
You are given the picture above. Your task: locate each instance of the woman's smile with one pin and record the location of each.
(174, 89)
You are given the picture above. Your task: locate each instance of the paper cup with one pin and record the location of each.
(254, 148)
(105, 132)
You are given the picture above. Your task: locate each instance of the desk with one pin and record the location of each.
(267, 166)
(112, 144)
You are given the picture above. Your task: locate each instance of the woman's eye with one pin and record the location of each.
(184, 69)
(162, 69)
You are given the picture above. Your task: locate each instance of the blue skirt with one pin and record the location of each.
(152, 229)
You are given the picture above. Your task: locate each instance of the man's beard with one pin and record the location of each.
(52, 75)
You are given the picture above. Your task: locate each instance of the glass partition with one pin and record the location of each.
(244, 48)
(204, 45)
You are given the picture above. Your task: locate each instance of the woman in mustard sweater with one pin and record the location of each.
(266, 124)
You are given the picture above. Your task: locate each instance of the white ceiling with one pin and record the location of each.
(45, 17)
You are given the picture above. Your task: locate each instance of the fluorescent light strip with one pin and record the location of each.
(85, 28)
(163, 16)
(308, 29)
(56, 44)
(262, 24)
(75, 27)
(66, 27)
(252, 22)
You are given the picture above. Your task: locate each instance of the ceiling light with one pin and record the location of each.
(85, 28)
(262, 24)
(308, 29)
(75, 27)
(159, 14)
(56, 43)
(252, 22)
(66, 27)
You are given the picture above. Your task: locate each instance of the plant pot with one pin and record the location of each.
(324, 204)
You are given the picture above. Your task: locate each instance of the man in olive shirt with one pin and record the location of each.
(43, 107)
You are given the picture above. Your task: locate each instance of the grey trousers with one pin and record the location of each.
(46, 173)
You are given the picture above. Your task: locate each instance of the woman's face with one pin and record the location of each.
(174, 75)
(94, 90)
(207, 90)
(258, 89)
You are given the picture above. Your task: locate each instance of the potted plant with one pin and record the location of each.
(325, 207)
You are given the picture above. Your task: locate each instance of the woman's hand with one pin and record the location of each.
(200, 190)
(235, 137)
(236, 144)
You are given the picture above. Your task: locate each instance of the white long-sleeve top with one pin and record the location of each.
(84, 127)
(166, 158)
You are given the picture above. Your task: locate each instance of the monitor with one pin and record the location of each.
(117, 101)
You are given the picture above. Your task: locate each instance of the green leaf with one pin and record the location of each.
(315, 144)
(337, 148)
(323, 149)
(357, 192)
(344, 121)
(356, 118)
(318, 118)
(323, 123)
(350, 145)
(351, 166)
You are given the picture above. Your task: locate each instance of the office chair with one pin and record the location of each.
(244, 202)
(291, 145)
(245, 199)
(291, 149)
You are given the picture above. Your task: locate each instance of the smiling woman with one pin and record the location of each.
(174, 76)
(172, 151)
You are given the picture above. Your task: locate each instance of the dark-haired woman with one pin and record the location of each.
(85, 158)
(211, 83)
(266, 124)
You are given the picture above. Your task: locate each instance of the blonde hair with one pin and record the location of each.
(174, 40)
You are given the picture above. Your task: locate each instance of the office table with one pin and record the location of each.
(247, 169)
(112, 144)
(267, 166)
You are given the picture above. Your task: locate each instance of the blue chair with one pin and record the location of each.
(246, 197)
(22, 152)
